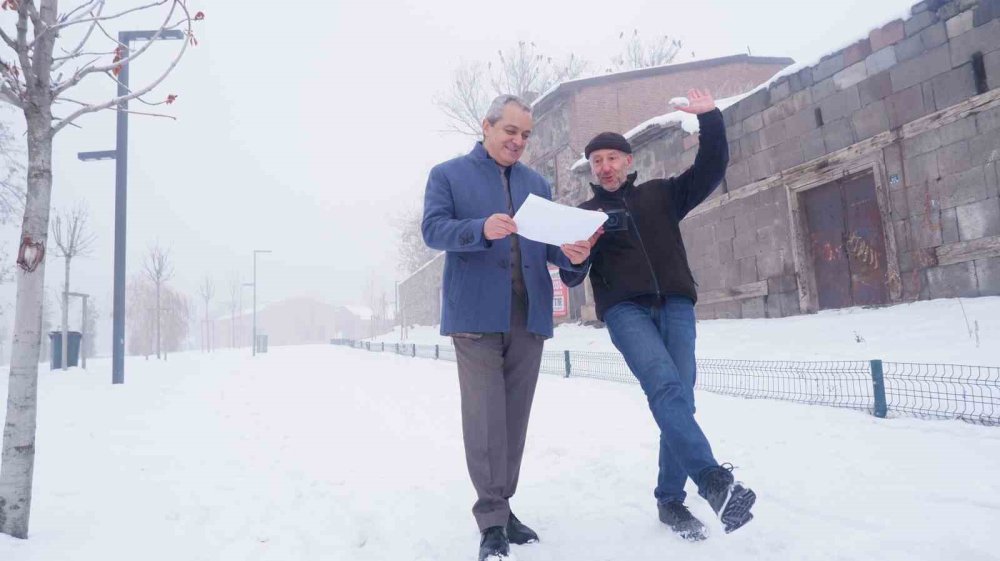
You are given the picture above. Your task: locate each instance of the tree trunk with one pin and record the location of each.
(17, 468)
(157, 320)
(65, 319)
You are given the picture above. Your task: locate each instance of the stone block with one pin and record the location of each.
(921, 144)
(840, 104)
(953, 86)
(919, 22)
(906, 106)
(949, 226)
(979, 219)
(838, 135)
(880, 61)
(753, 308)
(828, 66)
(988, 276)
(857, 52)
(813, 145)
(888, 34)
(953, 281)
(850, 75)
(870, 121)
(961, 129)
(985, 147)
(748, 269)
(920, 69)
(772, 135)
(909, 48)
(954, 158)
(925, 230)
(959, 24)
(959, 189)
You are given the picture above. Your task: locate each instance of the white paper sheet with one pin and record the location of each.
(544, 221)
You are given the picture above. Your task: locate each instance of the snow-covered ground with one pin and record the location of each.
(324, 452)
(933, 331)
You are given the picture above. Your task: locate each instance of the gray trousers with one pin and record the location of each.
(497, 374)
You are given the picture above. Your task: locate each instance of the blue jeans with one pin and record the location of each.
(658, 346)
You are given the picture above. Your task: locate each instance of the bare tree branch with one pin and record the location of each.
(521, 70)
(81, 73)
(78, 50)
(157, 267)
(72, 234)
(8, 39)
(100, 19)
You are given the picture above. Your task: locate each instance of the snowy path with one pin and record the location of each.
(328, 453)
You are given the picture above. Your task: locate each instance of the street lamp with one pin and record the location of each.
(120, 155)
(255, 252)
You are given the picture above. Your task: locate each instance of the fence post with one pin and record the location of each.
(437, 352)
(414, 355)
(568, 366)
(878, 384)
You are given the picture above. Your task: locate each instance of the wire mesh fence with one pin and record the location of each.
(970, 393)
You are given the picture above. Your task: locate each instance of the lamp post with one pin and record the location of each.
(120, 155)
(255, 253)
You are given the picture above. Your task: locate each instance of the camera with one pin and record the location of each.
(617, 220)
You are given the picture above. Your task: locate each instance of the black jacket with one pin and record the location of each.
(647, 261)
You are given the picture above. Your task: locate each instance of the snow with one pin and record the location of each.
(933, 331)
(324, 452)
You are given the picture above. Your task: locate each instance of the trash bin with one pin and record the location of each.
(261, 343)
(55, 340)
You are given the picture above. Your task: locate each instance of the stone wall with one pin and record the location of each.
(916, 105)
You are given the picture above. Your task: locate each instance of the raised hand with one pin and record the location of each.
(699, 101)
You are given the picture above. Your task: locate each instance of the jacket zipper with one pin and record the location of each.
(642, 246)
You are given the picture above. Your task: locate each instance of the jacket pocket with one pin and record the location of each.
(458, 281)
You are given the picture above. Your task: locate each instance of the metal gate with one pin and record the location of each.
(847, 243)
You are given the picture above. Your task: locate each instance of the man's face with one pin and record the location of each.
(610, 167)
(505, 140)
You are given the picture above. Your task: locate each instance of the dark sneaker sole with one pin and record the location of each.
(692, 535)
(736, 512)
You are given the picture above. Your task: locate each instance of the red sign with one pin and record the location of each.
(560, 295)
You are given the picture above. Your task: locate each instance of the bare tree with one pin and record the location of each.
(158, 271)
(413, 252)
(39, 80)
(637, 53)
(174, 314)
(207, 292)
(521, 70)
(73, 239)
(234, 306)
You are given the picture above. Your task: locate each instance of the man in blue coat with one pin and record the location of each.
(496, 305)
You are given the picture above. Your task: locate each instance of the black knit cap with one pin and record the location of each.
(607, 140)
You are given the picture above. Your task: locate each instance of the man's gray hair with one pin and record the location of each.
(496, 108)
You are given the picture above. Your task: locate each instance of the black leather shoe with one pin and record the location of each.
(518, 533)
(494, 544)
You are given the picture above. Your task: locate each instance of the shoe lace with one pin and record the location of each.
(680, 510)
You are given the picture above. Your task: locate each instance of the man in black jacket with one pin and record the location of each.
(645, 293)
